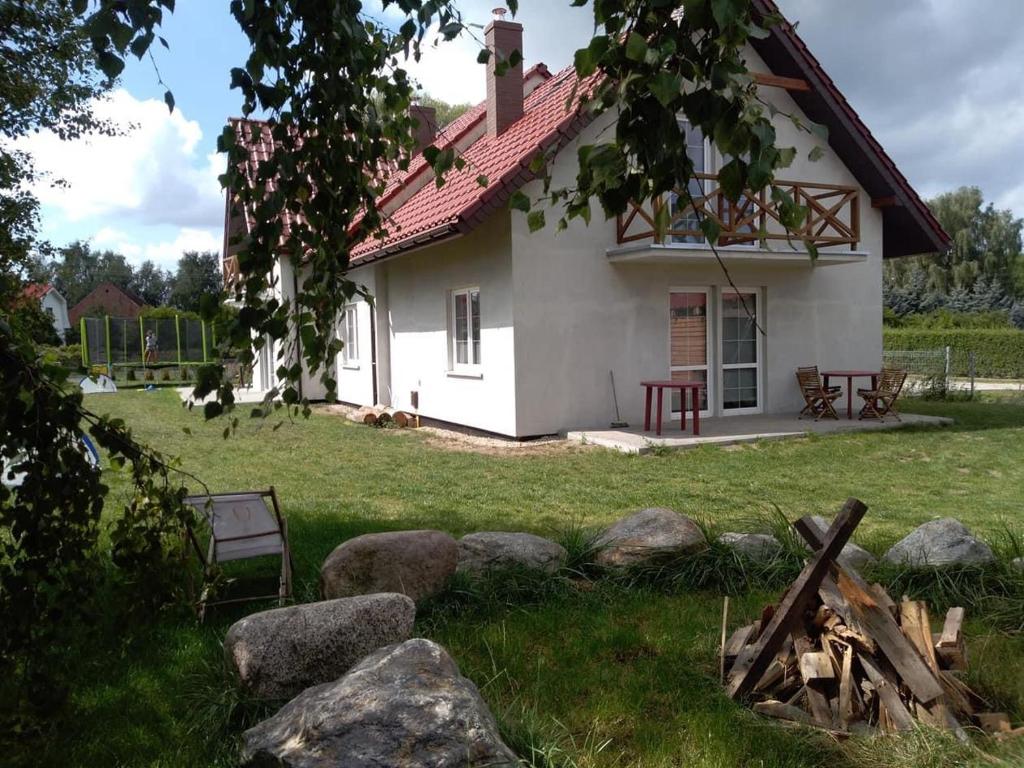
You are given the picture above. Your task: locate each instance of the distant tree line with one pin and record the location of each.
(983, 271)
(77, 269)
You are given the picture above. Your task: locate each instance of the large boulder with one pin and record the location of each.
(648, 536)
(496, 550)
(852, 555)
(756, 546)
(278, 653)
(939, 543)
(406, 705)
(414, 563)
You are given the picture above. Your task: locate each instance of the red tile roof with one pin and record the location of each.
(418, 211)
(36, 290)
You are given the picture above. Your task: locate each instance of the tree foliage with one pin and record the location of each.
(987, 250)
(198, 275)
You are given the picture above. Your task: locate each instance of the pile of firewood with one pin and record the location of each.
(840, 654)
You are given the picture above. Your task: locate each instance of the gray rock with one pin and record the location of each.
(938, 543)
(853, 555)
(414, 563)
(488, 551)
(647, 536)
(406, 705)
(756, 546)
(1018, 563)
(276, 654)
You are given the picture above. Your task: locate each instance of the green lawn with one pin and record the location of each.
(614, 676)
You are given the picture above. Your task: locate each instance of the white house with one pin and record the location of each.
(53, 303)
(480, 323)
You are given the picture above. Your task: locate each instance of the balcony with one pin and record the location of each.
(229, 269)
(833, 216)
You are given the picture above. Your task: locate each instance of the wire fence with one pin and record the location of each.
(940, 370)
(146, 341)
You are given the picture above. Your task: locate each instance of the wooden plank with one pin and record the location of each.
(737, 640)
(917, 628)
(816, 665)
(777, 81)
(889, 697)
(883, 599)
(879, 624)
(817, 701)
(847, 690)
(751, 665)
(781, 711)
(952, 628)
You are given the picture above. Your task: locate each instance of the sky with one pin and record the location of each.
(937, 82)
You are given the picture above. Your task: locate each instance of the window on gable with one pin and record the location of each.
(350, 334)
(465, 330)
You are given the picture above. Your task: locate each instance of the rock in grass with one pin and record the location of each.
(650, 535)
(1018, 563)
(760, 547)
(940, 543)
(414, 563)
(853, 555)
(498, 550)
(406, 705)
(278, 653)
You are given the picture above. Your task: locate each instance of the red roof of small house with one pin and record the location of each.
(36, 290)
(421, 212)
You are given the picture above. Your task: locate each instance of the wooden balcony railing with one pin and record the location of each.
(229, 268)
(833, 215)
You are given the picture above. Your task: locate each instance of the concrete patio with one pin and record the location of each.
(733, 430)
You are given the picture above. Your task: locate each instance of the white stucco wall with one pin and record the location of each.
(355, 378)
(580, 315)
(54, 303)
(413, 298)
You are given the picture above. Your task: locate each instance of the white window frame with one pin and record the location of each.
(710, 367)
(349, 327)
(473, 365)
(724, 293)
(706, 185)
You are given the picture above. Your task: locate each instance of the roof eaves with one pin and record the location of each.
(825, 89)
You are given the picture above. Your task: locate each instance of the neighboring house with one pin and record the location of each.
(107, 299)
(478, 322)
(53, 303)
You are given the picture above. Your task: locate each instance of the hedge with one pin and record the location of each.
(998, 352)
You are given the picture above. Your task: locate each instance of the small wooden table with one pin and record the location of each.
(682, 386)
(850, 376)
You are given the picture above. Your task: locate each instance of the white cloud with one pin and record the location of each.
(448, 69)
(152, 174)
(165, 253)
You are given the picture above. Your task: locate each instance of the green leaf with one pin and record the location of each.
(519, 202)
(212, 410)
(169, 100)
(710, 229)
(484, 56)
(731, 177)
(666, 87)
(535, 220)
(816, 153)
(482, 180)
(636, 47)
(727, 12)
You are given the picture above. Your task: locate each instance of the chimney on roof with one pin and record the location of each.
(504, 92)
(425, 130)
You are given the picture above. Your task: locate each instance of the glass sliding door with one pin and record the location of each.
(689, 341)
(741, 351)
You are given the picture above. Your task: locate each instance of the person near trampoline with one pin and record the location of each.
(151, 350)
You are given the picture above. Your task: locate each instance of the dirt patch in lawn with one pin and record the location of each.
(452, 438)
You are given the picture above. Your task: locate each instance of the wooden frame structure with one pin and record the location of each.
(833, 215)
(234, 538)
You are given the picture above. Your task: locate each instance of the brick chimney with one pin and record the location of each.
(426, 129)
(505, 92)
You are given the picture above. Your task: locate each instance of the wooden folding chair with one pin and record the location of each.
(818, 399)
(881, 401)
(241, 527)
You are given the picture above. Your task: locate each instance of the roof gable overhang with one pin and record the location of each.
(908, 226)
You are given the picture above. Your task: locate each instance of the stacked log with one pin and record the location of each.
(382, 417)
(842, 655)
